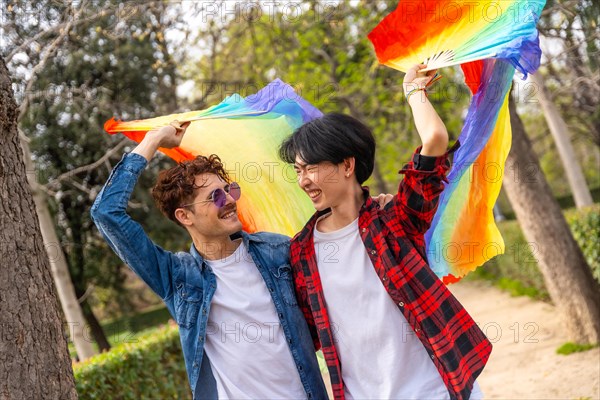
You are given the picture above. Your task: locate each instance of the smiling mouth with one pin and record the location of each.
(313, 194)
(229, 214)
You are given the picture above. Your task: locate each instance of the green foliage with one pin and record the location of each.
(567, 201)
(570, 348)
(124, 328)
(150, 366)
(139, 322)
(517, 271)
(571, 73)
(585, 225)
(113, 64)
(324, 53)
(516, 288)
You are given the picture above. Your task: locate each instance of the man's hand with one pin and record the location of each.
(383, 199)
(415, 79)
(431, 128)
(168, 136)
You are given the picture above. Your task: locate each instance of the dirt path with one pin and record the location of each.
(526, 334)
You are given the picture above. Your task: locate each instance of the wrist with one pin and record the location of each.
(411, 86)
(416, 95)
(147, 147)
(151, 139)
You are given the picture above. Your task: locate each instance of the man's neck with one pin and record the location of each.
(215, 248)
(344, 213)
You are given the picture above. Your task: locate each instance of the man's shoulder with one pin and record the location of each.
(268, 237)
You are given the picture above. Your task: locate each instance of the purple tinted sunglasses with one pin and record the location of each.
(219, 196)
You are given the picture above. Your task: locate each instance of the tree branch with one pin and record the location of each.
(57, 28)
(86, 168)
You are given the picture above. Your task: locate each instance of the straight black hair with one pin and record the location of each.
(332, 137)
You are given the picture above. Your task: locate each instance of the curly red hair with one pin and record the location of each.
(176, 186)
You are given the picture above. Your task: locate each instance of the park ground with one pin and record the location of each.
(526, 333)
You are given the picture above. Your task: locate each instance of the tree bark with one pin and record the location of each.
(34, 357)
(567, 276)
(59, 267)
(560, 132)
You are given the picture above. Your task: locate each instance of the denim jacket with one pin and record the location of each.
(186, 283)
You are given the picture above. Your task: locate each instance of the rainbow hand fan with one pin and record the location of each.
(441, 33)
(463, 234)
(245, 133)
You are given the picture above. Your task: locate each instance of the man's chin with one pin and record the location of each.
(321, 205)
(233, 226)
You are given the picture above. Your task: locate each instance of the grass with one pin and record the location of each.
(570, 348)
(516, 288)
(127, 329)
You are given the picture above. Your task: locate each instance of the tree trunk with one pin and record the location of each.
(94, 325)
(34, 356)
(560, 132)
(59, 267)
(567, 276)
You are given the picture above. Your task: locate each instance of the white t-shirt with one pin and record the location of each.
(381, 356)
(245, 342)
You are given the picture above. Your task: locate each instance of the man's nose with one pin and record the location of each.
(303, 179)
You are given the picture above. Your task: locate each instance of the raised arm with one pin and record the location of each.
(418, 193)
(125, 236)
(430, 126)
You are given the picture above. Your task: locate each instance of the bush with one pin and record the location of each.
(151, 366)
(517, 270)
(585, 225)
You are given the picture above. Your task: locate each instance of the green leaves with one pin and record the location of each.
(585, 225)
(152, 366)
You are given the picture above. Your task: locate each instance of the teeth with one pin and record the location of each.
(229, 214)
(314, 193)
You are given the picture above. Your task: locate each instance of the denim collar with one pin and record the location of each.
(246, 238)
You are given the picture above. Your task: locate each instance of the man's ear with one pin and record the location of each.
(349, 164)
(182, 216)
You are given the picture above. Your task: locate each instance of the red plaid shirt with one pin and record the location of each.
(394, 240)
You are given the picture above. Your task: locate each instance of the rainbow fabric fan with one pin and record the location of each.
(245, 133)
(489, 40)
(441, 33)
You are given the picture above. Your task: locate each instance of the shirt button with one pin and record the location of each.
(195, 365)
(280, 315)
(364, 230)
(290, 341)
(401, 304)
(373, 252)
(433, 356)
(417, 329)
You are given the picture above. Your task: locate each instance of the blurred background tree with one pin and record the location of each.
(78, 67)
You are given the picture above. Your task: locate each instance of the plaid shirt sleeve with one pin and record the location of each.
(419, 191)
